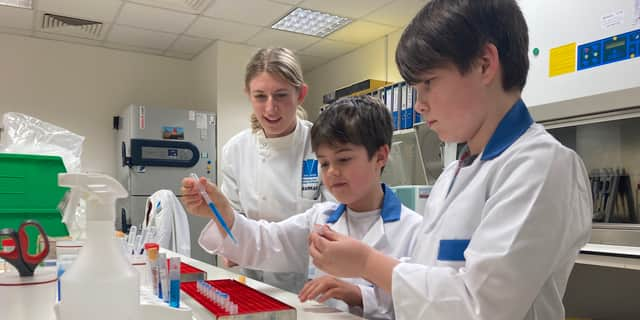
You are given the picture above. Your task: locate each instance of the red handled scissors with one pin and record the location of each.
(19, 257)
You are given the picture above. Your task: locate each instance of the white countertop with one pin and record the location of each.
(609, 256)
(611, 249)
(310, 310)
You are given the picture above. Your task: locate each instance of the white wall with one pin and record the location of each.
(204, 69)
(81, 88)
(219, 73)
(373, 61)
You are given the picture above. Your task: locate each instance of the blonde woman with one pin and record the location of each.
(269, 171)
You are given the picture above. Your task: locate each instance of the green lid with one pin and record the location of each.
(29, 190)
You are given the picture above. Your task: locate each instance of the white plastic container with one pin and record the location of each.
(28, 297)
(68, 247)
(140, 264)
(101, 284)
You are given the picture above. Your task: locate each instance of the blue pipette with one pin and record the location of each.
(206, 198)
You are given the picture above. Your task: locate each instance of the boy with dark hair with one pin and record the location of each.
(351, 140)
(503, 225)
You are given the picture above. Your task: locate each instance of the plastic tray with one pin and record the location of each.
(252, 304)
(29, 190)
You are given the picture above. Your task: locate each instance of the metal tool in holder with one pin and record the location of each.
(612, 196)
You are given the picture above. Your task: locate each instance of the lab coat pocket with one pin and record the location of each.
(451, 252)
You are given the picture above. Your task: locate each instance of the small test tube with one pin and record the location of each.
(131, 238)
(200, 287)
(152, 257)
(233, 309)
(137, 245)
(210, 292)
(164, 277)
(144, 239)
(174, 282)
(225, 301)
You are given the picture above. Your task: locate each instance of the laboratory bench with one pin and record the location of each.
(604, 283)
(310, 310)
(615, 256)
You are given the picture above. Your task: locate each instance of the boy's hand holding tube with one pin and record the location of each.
(342, 256)
(337, 254)
(196, 205)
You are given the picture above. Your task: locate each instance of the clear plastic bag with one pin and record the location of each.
(28, 135)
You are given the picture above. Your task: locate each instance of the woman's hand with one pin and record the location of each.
(327, 287)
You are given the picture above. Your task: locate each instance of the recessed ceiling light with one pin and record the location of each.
(310, 22)
(26, 4)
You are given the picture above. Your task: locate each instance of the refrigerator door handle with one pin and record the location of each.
(126, 161)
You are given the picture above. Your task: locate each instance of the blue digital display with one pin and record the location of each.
(608, 50)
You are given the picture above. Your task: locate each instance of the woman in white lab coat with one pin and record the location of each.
(504, 224)
(352, 140)
(269, 171)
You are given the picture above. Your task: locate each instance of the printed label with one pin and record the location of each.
(141, 117)
(310, 179)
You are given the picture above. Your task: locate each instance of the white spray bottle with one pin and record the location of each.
(101, 284)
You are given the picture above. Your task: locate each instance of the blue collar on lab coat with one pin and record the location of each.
(390, 212)
(511, 127)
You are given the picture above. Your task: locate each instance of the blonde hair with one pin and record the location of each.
(280, 62)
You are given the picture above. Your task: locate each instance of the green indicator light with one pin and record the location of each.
(536, 51)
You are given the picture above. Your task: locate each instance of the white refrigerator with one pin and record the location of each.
(156, 148)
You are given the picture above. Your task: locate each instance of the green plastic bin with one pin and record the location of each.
(29, 190)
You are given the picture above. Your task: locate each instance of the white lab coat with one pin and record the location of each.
(502, 243)
(165, 212)
(283, 246)
(264, 178)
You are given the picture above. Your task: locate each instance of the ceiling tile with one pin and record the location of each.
(225, 30)
(310, 62)
(20, 32)
(154, 18)
(361, 32)
(59, 37)
(190, 45)
(180, 55)
(291, 2)
(140, 38)
(399, 13)
(95, 32)
(345, 8)
(276, 38)
(16, 18)
(256, 12)
(125, 47)
(329, 48)
(187, 6)
(103, 10)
